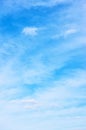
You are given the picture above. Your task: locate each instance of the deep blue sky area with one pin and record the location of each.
(42, 65)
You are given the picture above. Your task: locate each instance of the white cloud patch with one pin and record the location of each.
(70, 31)
(66, 33)
(31, 31)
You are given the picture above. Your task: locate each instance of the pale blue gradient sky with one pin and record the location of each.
(43, 65)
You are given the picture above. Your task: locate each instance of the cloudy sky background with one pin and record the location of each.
(43, 64)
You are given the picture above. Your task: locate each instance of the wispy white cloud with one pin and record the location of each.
(58, 95)
(31, 31)
(69, 32)
(38, 70)
(63, 89)
(13, 6)
(57, 102)
(65, 33)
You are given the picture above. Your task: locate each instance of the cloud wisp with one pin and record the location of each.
(32, 31)
(10, 6)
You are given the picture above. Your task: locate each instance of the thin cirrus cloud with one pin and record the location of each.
(10, 5)
(66, 33)
(30, 31)
(60, 103)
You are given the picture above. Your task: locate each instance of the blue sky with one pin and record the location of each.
(43, 64)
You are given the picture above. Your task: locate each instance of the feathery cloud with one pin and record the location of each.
(31, 31)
